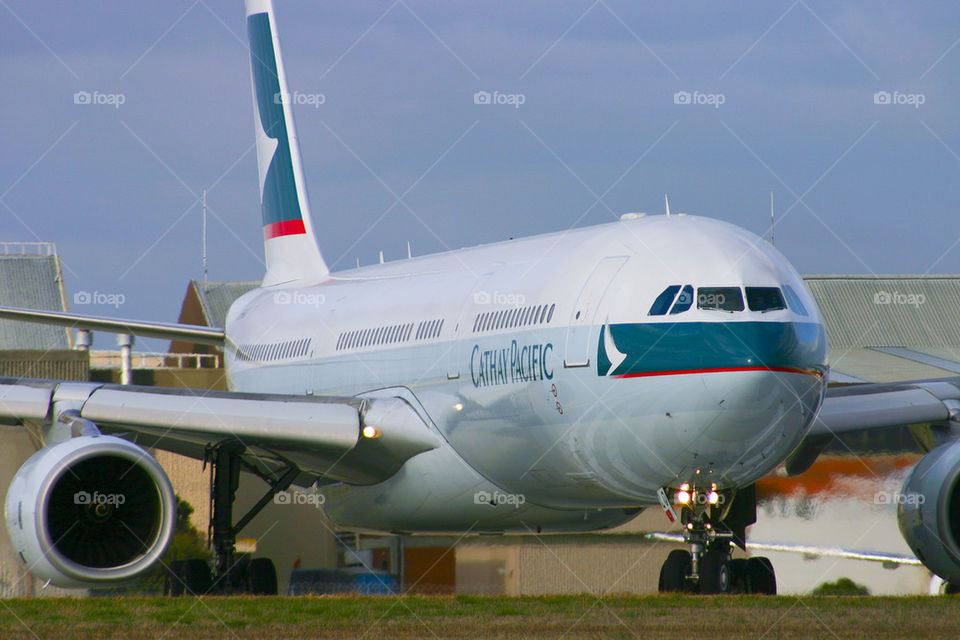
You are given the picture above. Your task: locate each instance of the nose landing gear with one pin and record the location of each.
(707, 568)
(710, 527)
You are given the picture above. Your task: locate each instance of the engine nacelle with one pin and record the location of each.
(929, 511)
(90, 511)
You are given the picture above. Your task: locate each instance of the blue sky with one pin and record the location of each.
(398, 151)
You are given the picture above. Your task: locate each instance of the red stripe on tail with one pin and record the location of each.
(283, 228)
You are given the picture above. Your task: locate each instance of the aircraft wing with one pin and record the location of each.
(861, 407)
(352, 440)
(168, 331)
(871, 406)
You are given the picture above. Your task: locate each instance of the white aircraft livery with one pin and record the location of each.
(557, 383)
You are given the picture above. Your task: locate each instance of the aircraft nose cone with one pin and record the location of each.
(760, 417)
(759, 393)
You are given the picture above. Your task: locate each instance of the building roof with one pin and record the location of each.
(890, 327)
(31, 277)
(216, 298)
(904, 311)
(207, 304)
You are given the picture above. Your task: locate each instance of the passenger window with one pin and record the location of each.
(764, 299)
(720, 298)
(793, 300)
(684, 300)
(664, 300)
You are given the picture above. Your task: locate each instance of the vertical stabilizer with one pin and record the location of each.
(290, 245)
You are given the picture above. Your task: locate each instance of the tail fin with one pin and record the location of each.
(291, 248)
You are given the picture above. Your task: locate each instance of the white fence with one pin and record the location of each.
(144, 360)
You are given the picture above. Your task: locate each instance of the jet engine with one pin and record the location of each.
(929, 511)
(90, 511)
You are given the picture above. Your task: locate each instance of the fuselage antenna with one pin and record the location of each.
(771, 219)
(203, 232)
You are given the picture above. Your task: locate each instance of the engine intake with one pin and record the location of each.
(929, 511)
(90, 511)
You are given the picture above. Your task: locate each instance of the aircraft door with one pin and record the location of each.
(459, 334)
(583, 316)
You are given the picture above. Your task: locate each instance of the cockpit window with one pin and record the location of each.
(663, 301)
(793, 300)
(720, 298)
(764, 299)
(684, 300)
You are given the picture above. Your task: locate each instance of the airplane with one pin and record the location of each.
(556, 383)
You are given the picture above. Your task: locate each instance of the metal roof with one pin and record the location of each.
(33, 281)
(890, 327)
(216, 298)
(889, 311)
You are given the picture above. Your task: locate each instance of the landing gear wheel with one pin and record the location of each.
(196, 576)
(187, 577)
(738, 575)
(761, 578)
(262, 577)
(673, 573)
(714, 572)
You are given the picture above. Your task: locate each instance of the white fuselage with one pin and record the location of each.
(539, 363)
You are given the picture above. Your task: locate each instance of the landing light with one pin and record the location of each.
(370, 431)
(458, 406)
(683, 497)
(713, 497)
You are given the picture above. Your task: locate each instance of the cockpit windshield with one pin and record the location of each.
(764, 299)
(720, 298)
(677, 298)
